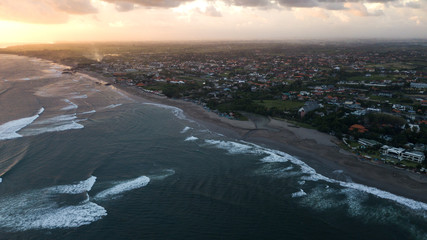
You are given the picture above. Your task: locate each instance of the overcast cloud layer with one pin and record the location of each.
(58, 11)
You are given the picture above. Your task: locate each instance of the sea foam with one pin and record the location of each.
(122, 187)
(309, 174)
(178, 112)
(9, 130)
(88, 112)
(37, 209)
(79, 96)
(300, 193)
(186, 129)
(190, 139)
(81, 187)
(70, 106)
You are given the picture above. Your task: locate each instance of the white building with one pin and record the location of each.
(413, 156)
(401, 154)
(392, 151)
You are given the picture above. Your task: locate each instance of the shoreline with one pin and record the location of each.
(318, 150)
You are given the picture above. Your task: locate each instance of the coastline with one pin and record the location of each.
(318, 150)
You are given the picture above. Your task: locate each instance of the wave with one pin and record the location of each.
(123, 187)
(186, 129)
(89, 112)
(192, 138)
(81, 187)
(56, 119)
(300, 193)
(113, 106)
(234, 147)
(178, 112)
(309, 174)
(79, 96)
(166, 173)
(54, 124)
(37, 209)
(70, 106)
(58, 128)
(9, 130)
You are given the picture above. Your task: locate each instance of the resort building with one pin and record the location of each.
(402, 155)
(392, 151)
(413, 156)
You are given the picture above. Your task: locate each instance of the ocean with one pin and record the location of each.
(80, 160)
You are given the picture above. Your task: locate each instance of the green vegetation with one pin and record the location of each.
(281, 105)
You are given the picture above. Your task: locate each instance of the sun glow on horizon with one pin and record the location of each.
(124, 20)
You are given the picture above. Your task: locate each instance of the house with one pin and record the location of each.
(368, 143)
(419, 85)
(308, 107)
(392, 151)
(413, 156)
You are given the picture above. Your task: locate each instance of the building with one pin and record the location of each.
(368, 143)
(419, 85)
(413, 156)
(402, 155)
(308, 107)
(392, 151)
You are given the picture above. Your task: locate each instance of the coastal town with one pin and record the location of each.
(370, 95)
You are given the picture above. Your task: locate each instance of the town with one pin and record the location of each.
(371, 95)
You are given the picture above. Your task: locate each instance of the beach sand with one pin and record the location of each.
(318, 150)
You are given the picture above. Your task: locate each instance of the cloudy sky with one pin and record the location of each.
(151, 20)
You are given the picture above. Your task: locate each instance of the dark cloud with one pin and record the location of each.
(44, 11)
(124, 6)
(299, 3)
(151, 3)
(249, 3)
(73, 6)
(212, 12)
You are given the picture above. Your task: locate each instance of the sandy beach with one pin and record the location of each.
(318, 150)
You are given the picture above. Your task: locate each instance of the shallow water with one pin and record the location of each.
(114, 168)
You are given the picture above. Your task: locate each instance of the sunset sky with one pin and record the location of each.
(151, 20)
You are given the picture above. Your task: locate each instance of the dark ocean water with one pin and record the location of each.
(93, 169)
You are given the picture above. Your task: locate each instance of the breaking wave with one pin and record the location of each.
(113, 106)
(37, 209)
(307, 173)
(81, 187)
(88, 112)
(79, 96)
(9, 130)
(186, 129)
(122, 187)
(70, 106)
(178, 112)
(190, 139)
(300, 193)
(54, 124)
